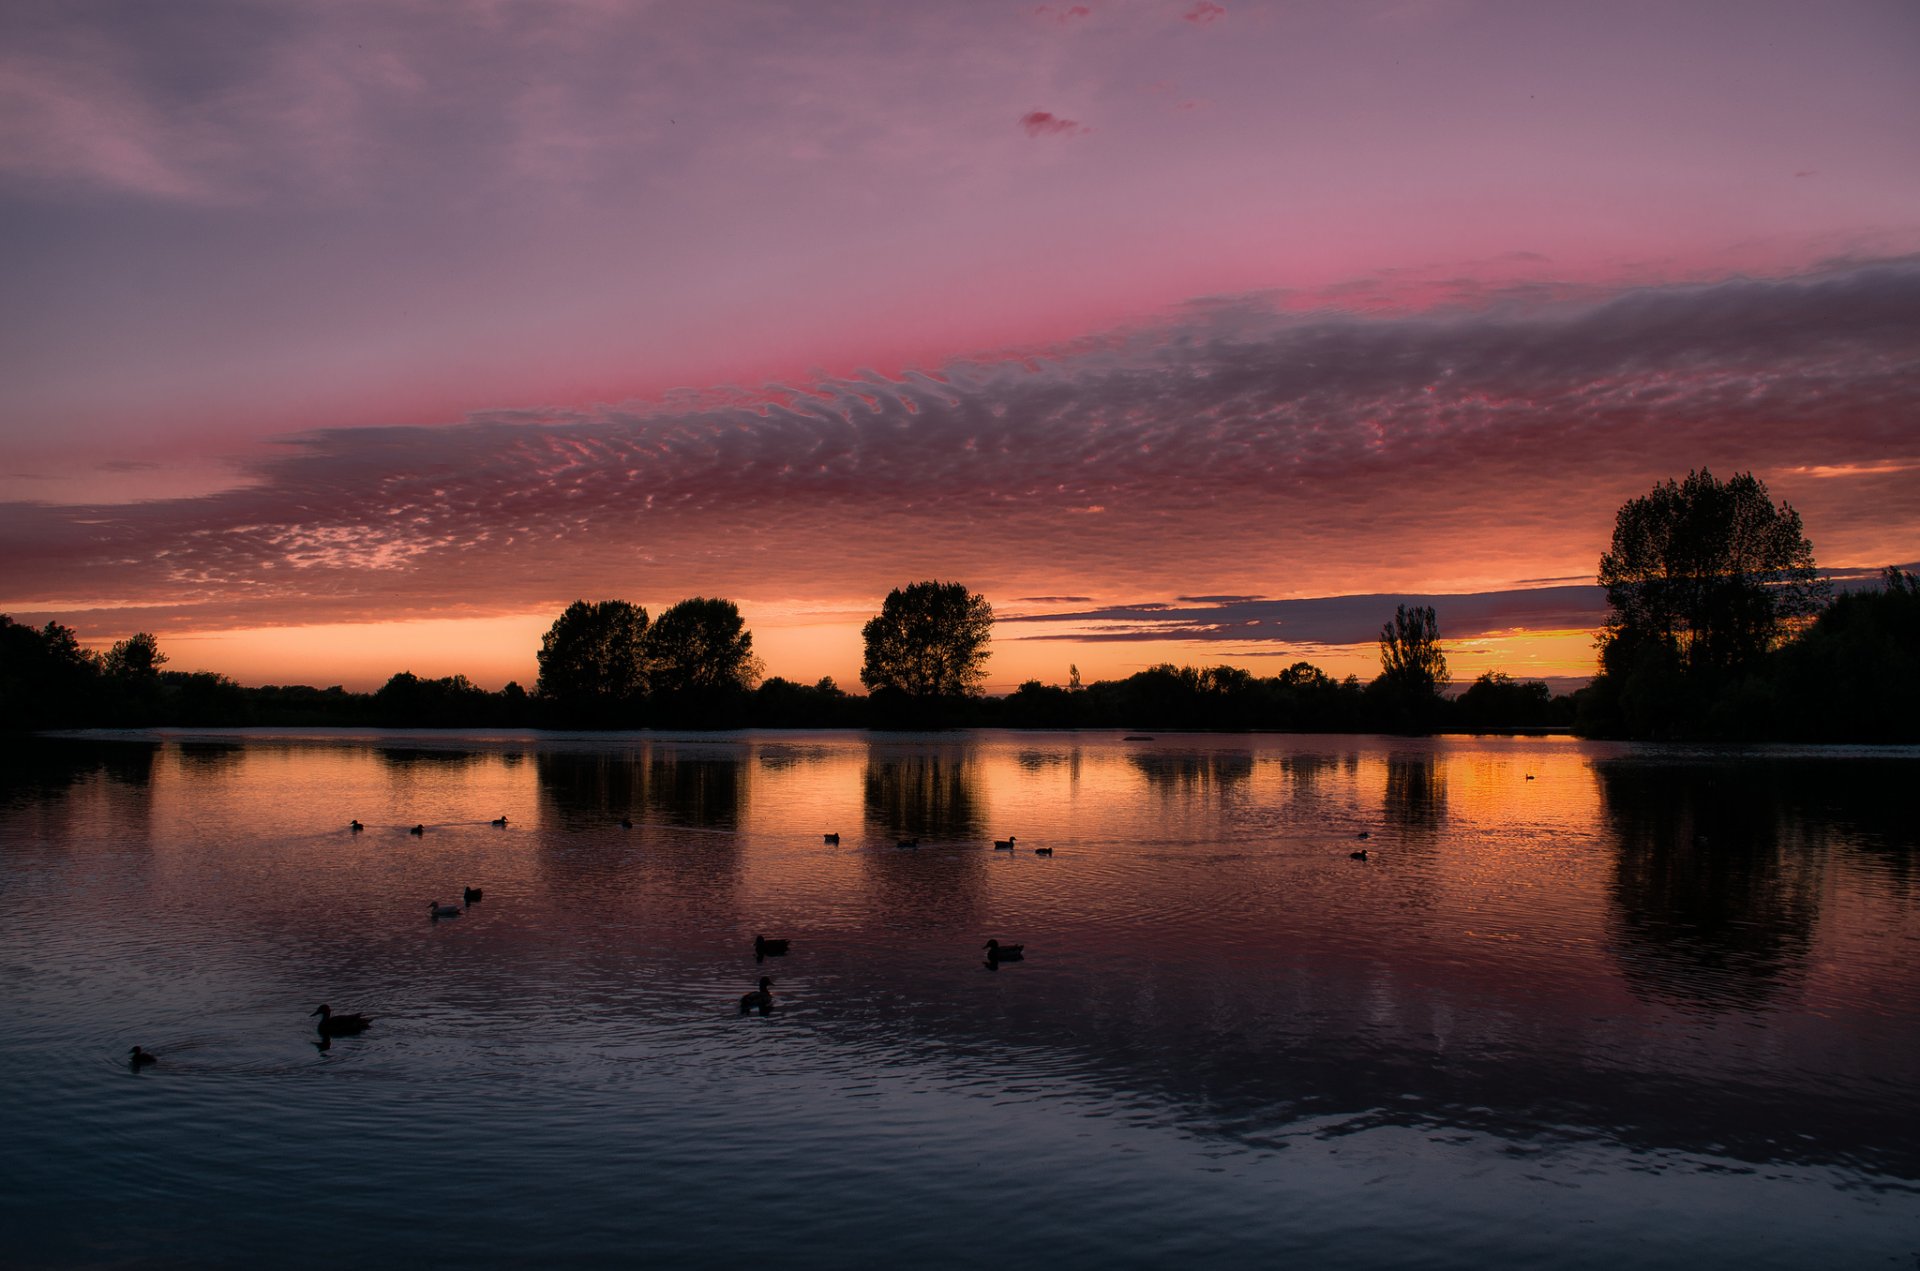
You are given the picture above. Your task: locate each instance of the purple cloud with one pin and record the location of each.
(1231, 452)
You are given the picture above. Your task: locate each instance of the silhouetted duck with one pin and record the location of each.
(470, 894)
(138, 1059)
(997, 952)
(626, 823)
(765, 948)
(1360, 855)
(907, 843)
(831, 840)
(1003, 845)
(1364, 834)
(332, 1025)
(760, 999)
(439, 910)
(355, 826)
(1529, 776)
(1043, 851)
(500, 821)
(418, 830)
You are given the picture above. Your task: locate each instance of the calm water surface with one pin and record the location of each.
(1582, 1006)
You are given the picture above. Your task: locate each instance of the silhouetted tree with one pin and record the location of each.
(1709, 575)
(46, 678)
(701, 646)
(1496, 700)
(928, 642)
(1855, 673)
(136, 657)
(1413, 670)
(1410, 654)
(593, 661)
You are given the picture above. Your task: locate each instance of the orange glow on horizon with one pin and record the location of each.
(797, 643)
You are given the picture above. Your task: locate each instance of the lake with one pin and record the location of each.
(1582, 1004)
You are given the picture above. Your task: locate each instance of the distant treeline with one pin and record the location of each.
(47, 680)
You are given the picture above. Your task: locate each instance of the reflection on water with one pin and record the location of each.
(1642, 1000)
(1714, 910)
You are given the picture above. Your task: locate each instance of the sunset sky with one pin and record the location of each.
(342, 339)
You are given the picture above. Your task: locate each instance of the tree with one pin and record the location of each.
(1710, 574)
(701, 646)
(1497, 700)
(46, 678)
(1410, 656)
(593, 660)
(929, 640)
(136, 657)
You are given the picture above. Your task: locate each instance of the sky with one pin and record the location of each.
(338, 340)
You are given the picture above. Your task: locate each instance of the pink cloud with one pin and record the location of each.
(1044, 123)
(1257, 452)
(1204, 12)
(1072, 13)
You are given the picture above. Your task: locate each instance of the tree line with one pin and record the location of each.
(1719, 627)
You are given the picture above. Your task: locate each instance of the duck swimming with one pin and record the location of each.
(499, 821)
(1043, 851)
(1003, 845)
(907, 844)
(997, 952)
(332, 1025)
(760, 1000)
(831, 840)
(418, 830)
(626, 823)
(355, 826)
(138, 1059)
(470, 894)
(765, 948)
(1360, 855)
(438, 910)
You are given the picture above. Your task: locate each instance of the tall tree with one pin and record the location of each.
(701, 646)
(929, 640)
(593, 659)
(1708, 572)
(1411, 659)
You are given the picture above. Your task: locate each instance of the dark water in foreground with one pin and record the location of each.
(1650, 1008)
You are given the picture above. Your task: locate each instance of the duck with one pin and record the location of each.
(1043, 851)
(438, 910)
(418, 830)
(1364, 834)
(500, 821)
(1529, 776)
(355, 826)
(907, 844)
(1360, 855)
(1003, 845)
(626, 823)
(761, 999)
(997, 952)
(470, 894)
(332, 1025)
(138, 1059)
(765, 948)
(831, 840)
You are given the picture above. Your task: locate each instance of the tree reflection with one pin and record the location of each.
(1714, 906)
(1193, 773)
(1415, 796)
(933, 797)
(597, 789)
(929, 795)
